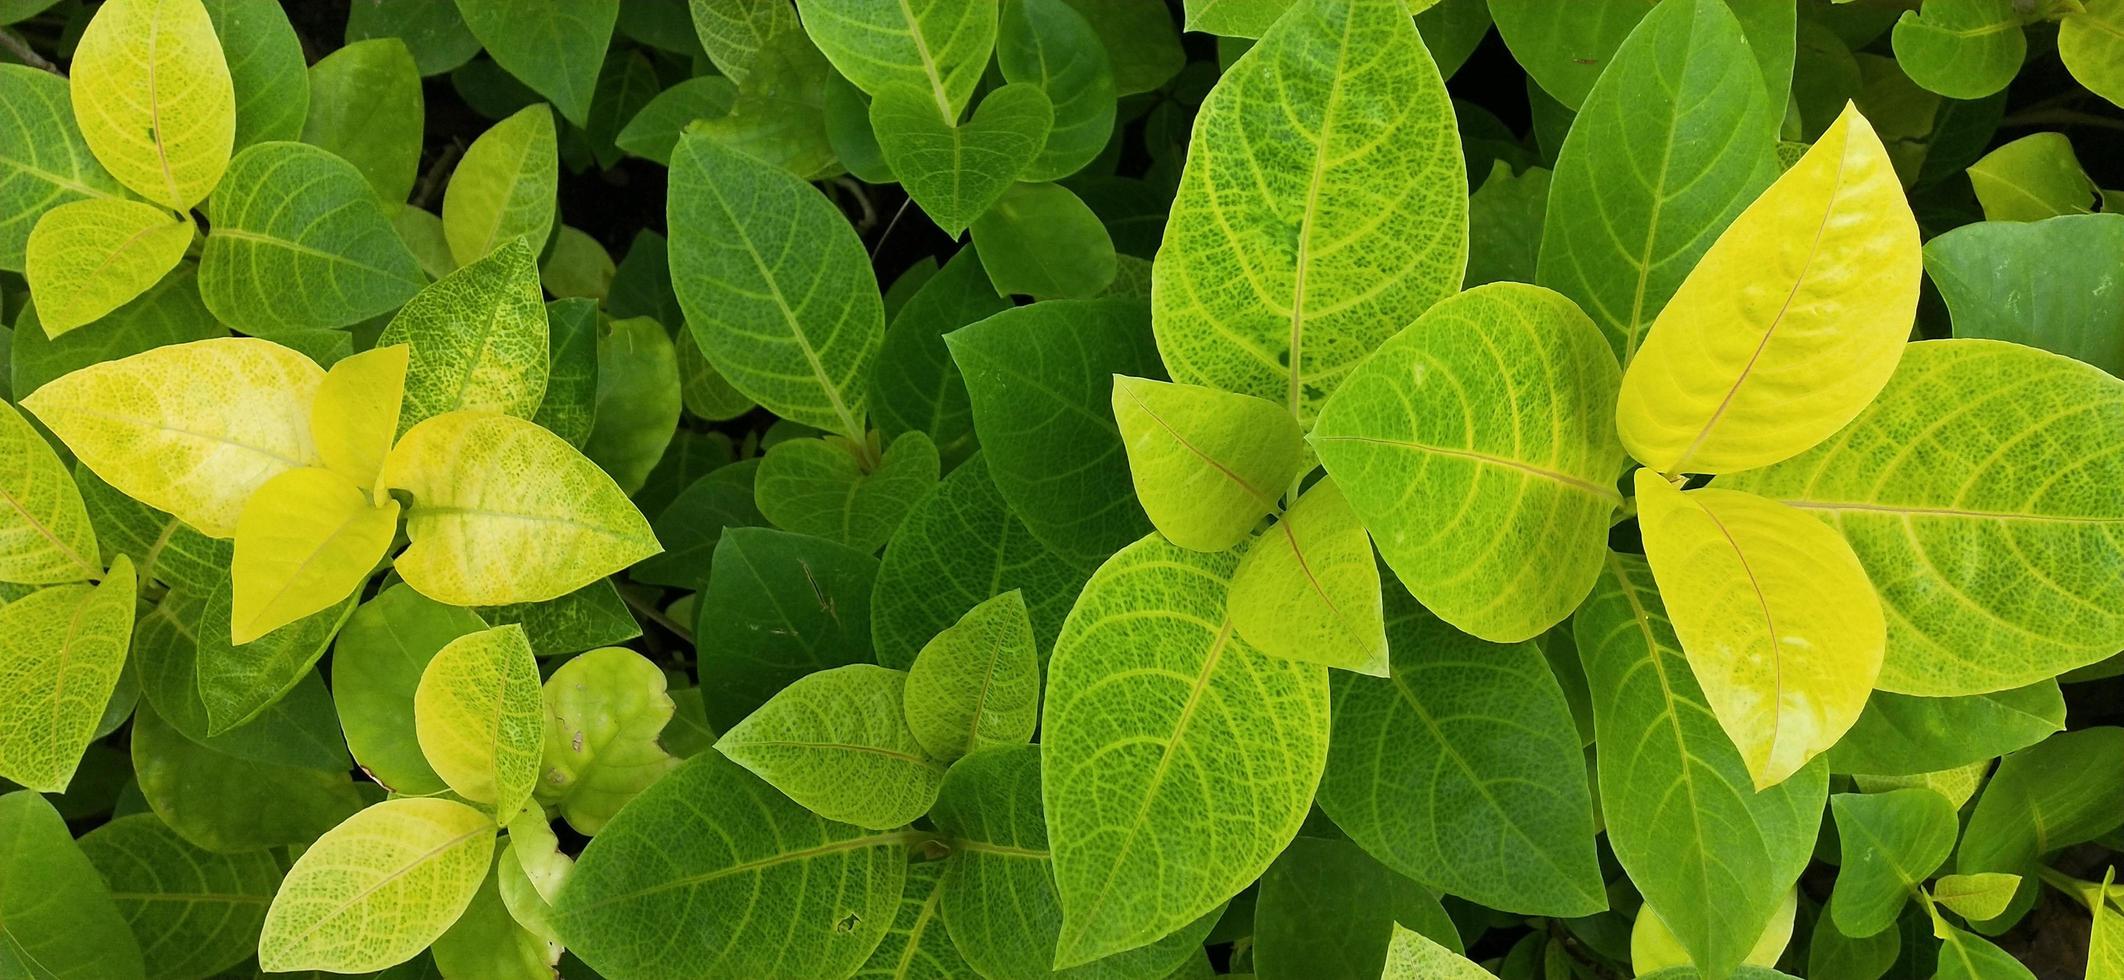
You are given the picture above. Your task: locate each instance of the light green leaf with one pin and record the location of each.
(379, 888)
(638, 400)
(1050, 44)
(1965, 956)
(977, 683)
(1712, 854)
(958, 545)
(45, 534)
(914, 385)
(1939, 539)
(917, 944)
(733, 31)
(1484, 792)
(2052, 795)
(530, 872)
(60, 920)
(2032, 178)
(168, 313)
(377, 664)
(654, 131)
(1413, 956)
(702, 389)
(1490, 501)
(229, 414)
(479, 719)
(1180, 761)
(1654, 952)
(1043, 241)
(299, 240)
(2042, 283)
(1892, 842)
(776, 287)
(1327, 909)
(366, 106)
(1899, 734)
(194, 912)
(422, 231)
(505, 512)
(1040, 378)
(1958, 785)
(1308, 588)
(87, 258)
(504, 187)
(1962, 49)
(228, 803)
(576, 266)
(1207, 465)
(569, 407)
(153, 96)
(837, 743)
(820, 487)
(487, 941)
(61, 650)
(478, 337)
(2091, 43)
(713, 873)
(956, 172)
(604, 709)
(938, 46)
(1976, 897)
(43, 161)
(1673, 141)
(557, 49)
(307, 540)
(266, 69)
(434, 32)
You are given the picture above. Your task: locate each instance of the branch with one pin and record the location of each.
(431, 182)
(28, 55)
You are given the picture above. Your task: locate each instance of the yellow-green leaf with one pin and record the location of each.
(504, 186)
(480, 720)
(1779, 622)
(604, 710)
(191, 429)
(1308, 588)
(376, 890)
(478, 338)
(938, 46)
(2032, 178)
(153, 95)
(1655, 949)
(43, 162)
(87, 258)
(2091, 43)
(355, 416)
(45, 534)
(1413, 956)
(61, 650)
(306, 540)
(1208, 465)
(977, 683)
(1976, 897)
(837, 742)
(506, 512)
(1790, 324)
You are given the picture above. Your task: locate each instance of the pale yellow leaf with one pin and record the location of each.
(306, 540)
(356, 412)
(480, 719)
(154, 98)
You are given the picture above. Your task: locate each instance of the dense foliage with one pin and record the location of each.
(1251, 552)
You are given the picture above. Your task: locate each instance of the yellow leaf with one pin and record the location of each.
(189, 429)
(1790, 324)
(45, 534)
(356, 412)
(87, 258)
(154, 99)
(1780, 624)
(305, 541)
(480, 717)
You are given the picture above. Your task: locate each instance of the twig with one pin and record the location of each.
(649, 611)
(855, 190)
(2061, 117)
(21, 49)
(431, 182)
(889, 226)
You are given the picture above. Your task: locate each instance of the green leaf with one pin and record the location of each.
(307, 540)
(1327, 909)
(45, 534)
(530, 872)
(1962, 49)
(87, 258)
(1413, 956)
(1967, 957)
(1207, 465)
(638, 397)
(479, 719)
(266, 69)
(1672, 142)
(422, 231)
(168, 313)
(779, 115)
(1040, 379)
(504, 187)
(556, 49)
(603, 712)
(624, 87)
(379, 888)
(1308, 588)
(153, 96)
(1489, 500)
(44, 163)
(2040, 283)
(2032, 178)
(776, 287)
(714, 873)
(569, 406)
(654, 131)
(576, 266)
(487, 941)
(1976, 897)
(2060, 792)
(1902, 735)
(228, 803)
(956, 172)
(1375, 201)
(703, 390)
(1892, 842)
(977, 683)
(1565, 47)
(733, 31)
(366, 107)
(194, 912)
(914, 386)
(783, 605)
(837, 743)
(592, 616)
(298, 729)
(1832, 955)
(1712, 854)
(938, 46)
(958, 545)
(377, 664)
(239, 682)
(60, 920)
(506, 512)
(1043, 241)
(917, 944)
(61, 650)
(299, 240)
(1483, 794)
(1505, 225)
(819, 487)
(434, 32)
(2091, 43)
(693, 522)
(1942, 518)
(1140, 38)
(1180, 760)
(1048, 43)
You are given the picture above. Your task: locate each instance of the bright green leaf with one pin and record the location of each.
(61, 650)
(1308, 588)
(1892, 842)
(939, 46)
(1207, 465)
(977, 683)
(87, 258)
(45, 534)
(956, 172)
(837, 743)
(2032, 178)
(1962, 49)
(366, 106)
(504, 187)
(603, 712)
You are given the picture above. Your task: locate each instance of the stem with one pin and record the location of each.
(2060, 117)
(648, 610)
(21, 49)
(431, 182)
(2087, 893)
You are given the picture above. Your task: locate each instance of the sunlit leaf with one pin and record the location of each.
(1308, 588)
(61, 650)
(604, 709)
(1207, 465)
(478, 716)
(2032, 178)
(354, 418)
(45, 534)
(87, 258)
(307, 539)
(153, 96)
(977, 683)
(837, 743)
